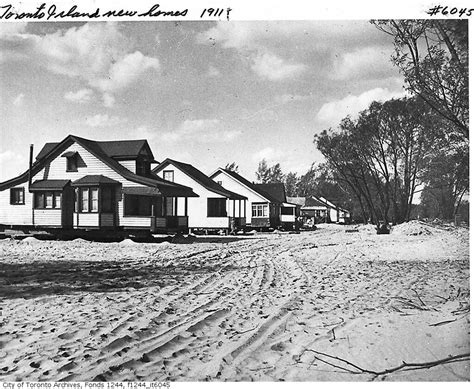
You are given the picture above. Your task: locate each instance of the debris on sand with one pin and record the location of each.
(127, 242)
(30, 240)
(413, 227)
(80, 241)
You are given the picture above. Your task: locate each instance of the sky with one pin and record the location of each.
(205, 93)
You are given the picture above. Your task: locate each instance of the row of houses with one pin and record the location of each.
(81, 184)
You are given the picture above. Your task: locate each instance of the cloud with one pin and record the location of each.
(201, 130)
(333, 112)
(275, 68)
(143, 132)
(269, 154)
(126, 71)
(289, 98)
(11, 29)
(12, 164)
(109, 100)
(18, 101)
(367, 63)
(284, 35)
(244, 37)
(213, 71)
(81, 96)
(98, 53)
(103, 120)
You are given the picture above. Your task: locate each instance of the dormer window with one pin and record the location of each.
(71, 160)
(168, 175)
(143, 167)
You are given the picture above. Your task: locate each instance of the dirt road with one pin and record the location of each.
(262, 308)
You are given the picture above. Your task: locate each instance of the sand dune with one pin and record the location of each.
(233, 310)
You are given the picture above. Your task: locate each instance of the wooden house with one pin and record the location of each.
(263, 210)
(81, 184)
(319, 210)
(336, 213)
(216, 208)
(287, 209)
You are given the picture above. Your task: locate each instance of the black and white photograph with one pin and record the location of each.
(192, 192)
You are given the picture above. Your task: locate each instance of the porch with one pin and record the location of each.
(147, 208)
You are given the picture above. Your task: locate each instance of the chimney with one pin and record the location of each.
(31, 164)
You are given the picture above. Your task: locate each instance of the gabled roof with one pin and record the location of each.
(276, 190)
(95, 149)
(313, 201)
(119, 149)
(200, 178)
(248, 184)
(126, 148)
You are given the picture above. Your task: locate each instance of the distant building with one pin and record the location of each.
(319, 210)
(266, 206)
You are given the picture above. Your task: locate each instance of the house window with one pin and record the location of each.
(216, 207)
(87, 200)
(287, 211)
(94, 196)
(168, 175)
(17, 196)
(142, 167)
(84, 194)
(136, 205)
(259, 210)
(57, 199)
(49, 197)
(71, 163)
(47, 200)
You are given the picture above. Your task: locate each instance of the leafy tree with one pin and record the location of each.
(380, 155)
(232, 166)
(432, 55)
(291, 184)
(446, 181)
(307, 185)
(269, 174)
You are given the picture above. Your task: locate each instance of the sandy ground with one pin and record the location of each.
(273, 307)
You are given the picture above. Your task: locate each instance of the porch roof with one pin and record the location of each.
(93, 179)
(48, 185)
(161, 191)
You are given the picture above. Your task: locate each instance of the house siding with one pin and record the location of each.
(130, 165)
(16, 214)
(85, 219)
(47, 217)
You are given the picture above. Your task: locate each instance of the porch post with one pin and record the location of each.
(185, 206)
(175, 206)
(153, 219)
(233, 208)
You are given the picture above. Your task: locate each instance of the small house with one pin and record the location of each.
(263, 210)
(287, 209)
(314, 210)
(81, 184)
(215, 208)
